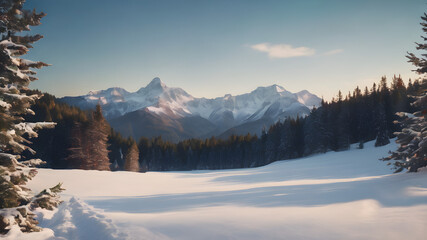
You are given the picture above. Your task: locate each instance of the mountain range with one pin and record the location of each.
(159, 110)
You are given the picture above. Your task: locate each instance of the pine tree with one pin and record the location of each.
(75, 153)
(97, 136)
(420, 62)
(15, 101)
(383, 112)
(132, 157)
(382, 131)
(343, 129)
(115, 154)
(412, 152)
(88, 143)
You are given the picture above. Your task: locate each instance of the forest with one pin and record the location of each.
(320, 192)
(84, 140)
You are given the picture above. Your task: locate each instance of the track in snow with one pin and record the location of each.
(74, 219)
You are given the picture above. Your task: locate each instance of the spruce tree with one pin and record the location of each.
(97, 135)
(115, 154)
(15, 101)
(132, 158)
(88, 143)
(382, 131)
(412, 152)
(383, 112)
(420, 62)
(343, 129)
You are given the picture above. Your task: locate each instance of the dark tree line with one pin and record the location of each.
(212, 153)
(123, 153)
(360, 116)
(83, 139)
(79, 139)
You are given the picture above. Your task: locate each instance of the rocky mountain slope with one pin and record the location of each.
(173, 113)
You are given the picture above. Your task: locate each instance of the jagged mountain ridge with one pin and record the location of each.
(160, 107)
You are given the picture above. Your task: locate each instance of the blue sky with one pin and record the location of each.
(211, 48)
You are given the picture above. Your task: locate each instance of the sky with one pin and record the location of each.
(213, 48)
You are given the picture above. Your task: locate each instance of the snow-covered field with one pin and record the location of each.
(337, 195)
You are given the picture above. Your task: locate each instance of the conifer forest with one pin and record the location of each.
(270, 144)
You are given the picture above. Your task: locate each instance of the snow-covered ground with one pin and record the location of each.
(337, 195)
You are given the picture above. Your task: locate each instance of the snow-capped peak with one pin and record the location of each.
(278, 88)
(156, 83)
(271, 91)
(227, 96)
(114, 91)
(93, 92)
(272, 88)
(308, 99)
(270, 101)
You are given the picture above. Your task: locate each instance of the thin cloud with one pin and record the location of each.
(333, 52)
(283, 50)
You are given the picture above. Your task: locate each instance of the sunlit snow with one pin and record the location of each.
(337, 195)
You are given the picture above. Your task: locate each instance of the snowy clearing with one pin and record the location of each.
(337, 195)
